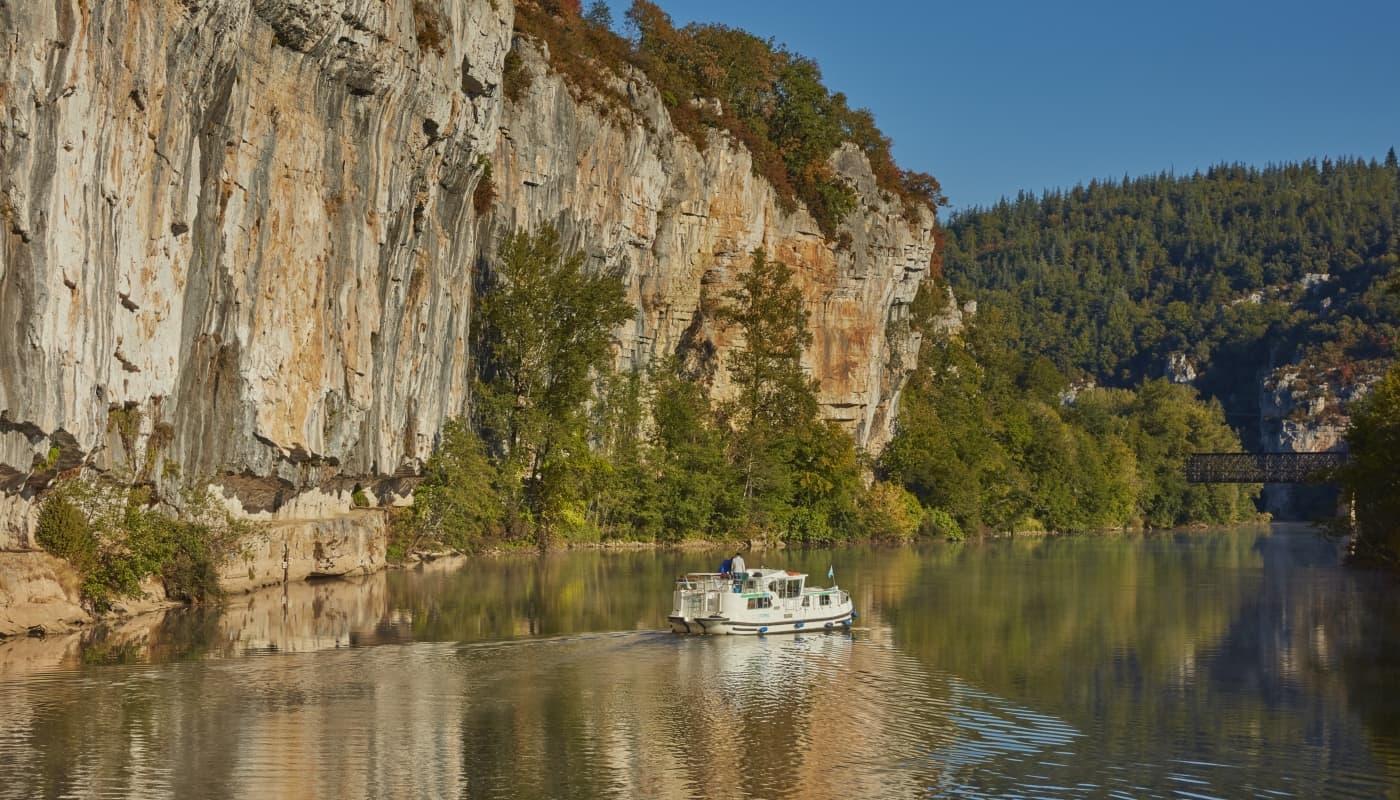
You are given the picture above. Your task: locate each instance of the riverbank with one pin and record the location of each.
(39, 593)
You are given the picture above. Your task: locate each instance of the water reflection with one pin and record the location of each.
(1223, 664)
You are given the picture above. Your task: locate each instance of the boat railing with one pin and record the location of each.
(702, 580)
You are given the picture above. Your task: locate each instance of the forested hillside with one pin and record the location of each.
(1227, 274)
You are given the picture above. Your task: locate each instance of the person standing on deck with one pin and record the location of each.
(736, 564)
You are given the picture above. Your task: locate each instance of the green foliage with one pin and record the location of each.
(63, 529)
(1166, 423)
(458, 503)
(774, 391)
(570, 451)
(983, 438)
(116, 540)
(1373, 475)
(1104, 283)
(543, 330)
(515, 79)
(940, 524)
(775, 397)
(125, 421)
(800, 477)
(358, 498)
(892, 513)
(696, 493)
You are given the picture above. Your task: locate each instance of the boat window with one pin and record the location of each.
(760, 602)
(826, 600)
(806, 602)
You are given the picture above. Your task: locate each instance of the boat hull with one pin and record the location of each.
(720, 626)
(683, 625)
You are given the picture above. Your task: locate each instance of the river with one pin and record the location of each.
(1234, 663)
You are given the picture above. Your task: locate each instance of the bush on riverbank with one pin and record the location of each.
(117, 537)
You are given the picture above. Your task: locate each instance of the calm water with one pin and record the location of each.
(1231, 664)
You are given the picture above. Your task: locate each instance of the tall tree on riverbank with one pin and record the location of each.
(775, 395)
(543, 330)
(1373, 476)
(799, 474)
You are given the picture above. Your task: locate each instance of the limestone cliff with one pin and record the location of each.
(1303, 408)
(240, 241)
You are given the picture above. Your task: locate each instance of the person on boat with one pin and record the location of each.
(725, 566)
(736, 564)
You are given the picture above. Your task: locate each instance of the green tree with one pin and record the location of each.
(458, 504)
(697, 494)
(1373, 475)
(544, 331)
(775, 395)
(1167, 424)
(799, 476)
(622, 494)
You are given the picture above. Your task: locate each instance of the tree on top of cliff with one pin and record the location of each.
(716, 77)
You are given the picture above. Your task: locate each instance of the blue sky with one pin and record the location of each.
(996, 97)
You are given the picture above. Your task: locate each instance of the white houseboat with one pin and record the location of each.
(757, 602)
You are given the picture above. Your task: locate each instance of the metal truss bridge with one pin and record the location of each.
(1262, 467)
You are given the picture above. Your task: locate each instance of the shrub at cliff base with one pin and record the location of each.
(1373, 476)
(116, 538)
(457, 506)
(890, 512)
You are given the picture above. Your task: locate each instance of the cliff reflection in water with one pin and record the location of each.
(1225, 663)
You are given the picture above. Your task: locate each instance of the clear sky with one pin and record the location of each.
(996, 97)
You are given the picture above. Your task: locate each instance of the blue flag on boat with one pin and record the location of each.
(830, 572)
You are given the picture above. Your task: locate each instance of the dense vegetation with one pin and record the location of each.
(117, 537)
(547, 458)
(985, 437)
(560, 448)
(716, 78)
(1238, 270)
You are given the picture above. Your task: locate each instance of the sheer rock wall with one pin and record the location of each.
(239, 241)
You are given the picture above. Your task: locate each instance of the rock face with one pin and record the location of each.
(1303, 409)
(239, 239)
